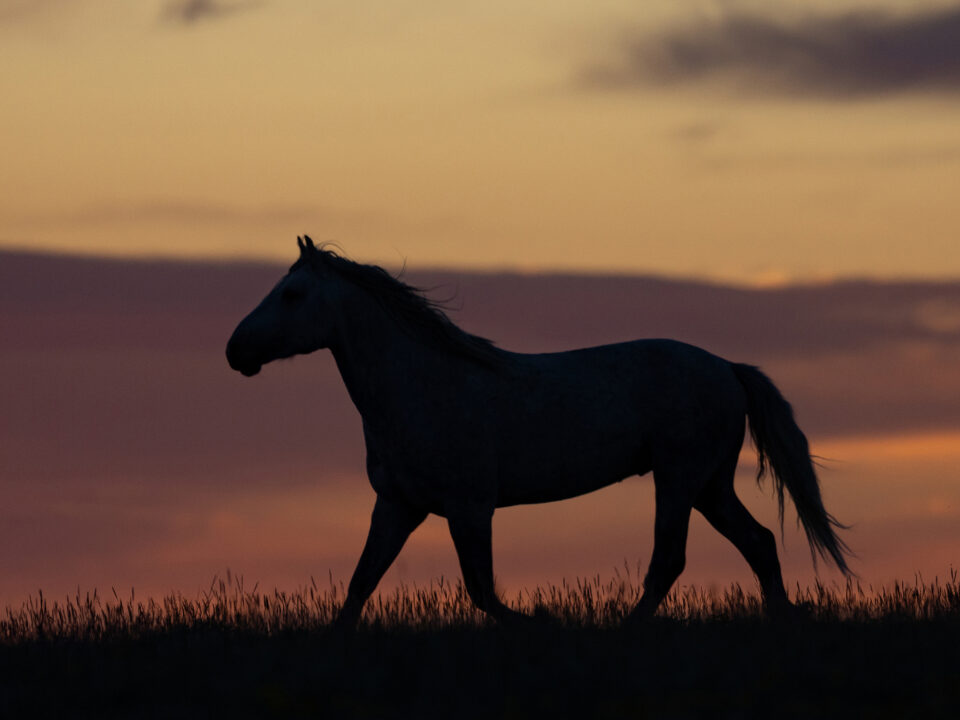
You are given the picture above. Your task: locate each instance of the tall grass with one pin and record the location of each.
(228, 604)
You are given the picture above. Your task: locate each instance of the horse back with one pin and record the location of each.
(572, 422)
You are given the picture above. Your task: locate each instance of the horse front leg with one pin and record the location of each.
(390, 526)
(471, 533)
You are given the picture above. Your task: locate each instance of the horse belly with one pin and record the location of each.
(567, 474)
(552, 491)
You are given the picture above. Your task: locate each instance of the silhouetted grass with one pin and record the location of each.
(425, 652)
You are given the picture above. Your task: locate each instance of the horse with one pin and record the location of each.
(457, 427)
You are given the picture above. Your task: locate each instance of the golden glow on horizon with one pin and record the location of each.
(942, 445)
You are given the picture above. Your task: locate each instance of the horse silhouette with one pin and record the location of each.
(457, 427)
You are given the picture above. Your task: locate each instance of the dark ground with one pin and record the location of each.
(887, 668)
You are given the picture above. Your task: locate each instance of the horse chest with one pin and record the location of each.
(428, 475)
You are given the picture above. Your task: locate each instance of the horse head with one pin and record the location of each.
(293, 319)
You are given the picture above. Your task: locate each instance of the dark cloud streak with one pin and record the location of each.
(847, 56)
(188, 12)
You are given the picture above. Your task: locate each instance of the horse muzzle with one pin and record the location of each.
(249, 370)
(244, 365)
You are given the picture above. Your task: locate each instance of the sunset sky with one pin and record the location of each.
(756, 142)
(760, 154)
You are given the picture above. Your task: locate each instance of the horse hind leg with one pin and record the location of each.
(471, 533)
(719, 504)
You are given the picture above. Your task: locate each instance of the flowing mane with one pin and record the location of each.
(417, 314)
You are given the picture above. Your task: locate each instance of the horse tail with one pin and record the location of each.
(782, 450)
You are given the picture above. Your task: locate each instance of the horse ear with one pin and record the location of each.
(300, 244)
(309, 242)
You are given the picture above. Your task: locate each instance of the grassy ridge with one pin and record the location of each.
(425, 652)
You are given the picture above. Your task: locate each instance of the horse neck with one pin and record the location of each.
(380, 363)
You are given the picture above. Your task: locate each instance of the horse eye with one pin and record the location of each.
(291, 295)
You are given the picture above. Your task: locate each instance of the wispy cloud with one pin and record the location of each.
(843, 56)
(188, 12)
